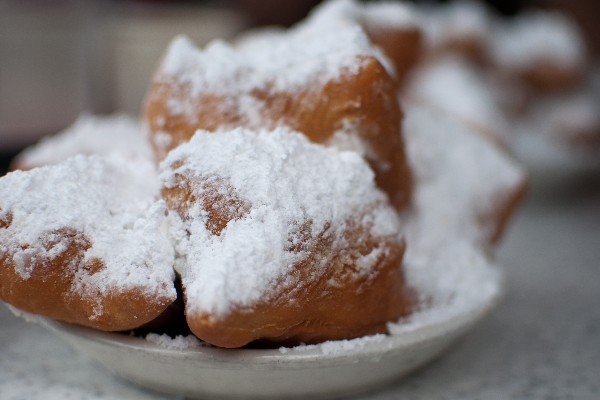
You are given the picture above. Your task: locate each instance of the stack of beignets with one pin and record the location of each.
(279, 195)
(535, 66)
(333, 270)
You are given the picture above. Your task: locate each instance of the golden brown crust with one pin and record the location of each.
(47, 291)
(404, 47)
(215, 196)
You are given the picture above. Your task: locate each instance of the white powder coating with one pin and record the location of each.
(391, 14)
(335, 347)
(537, 37)
(458, 174)
(456, 87)
(381, 15)
(91, 134)
(111, 202)
(386, 14)
(456, 20)
(556, 136)
(282, 62)
(563, 116)
(178, 342)
(288, 182)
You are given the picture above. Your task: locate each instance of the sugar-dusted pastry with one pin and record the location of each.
(467, 186)
(90, 134)
(84, 241)
(325, 82)
(453, 85)
(572, 119)
(560, 132)
(394, 27)
(466, 190)
(542, 49)
(459, 27)
(280, 239)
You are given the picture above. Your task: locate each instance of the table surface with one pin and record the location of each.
(541, 342)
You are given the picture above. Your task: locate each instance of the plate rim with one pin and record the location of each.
(455, 323)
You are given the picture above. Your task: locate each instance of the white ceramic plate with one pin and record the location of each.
(252, 373)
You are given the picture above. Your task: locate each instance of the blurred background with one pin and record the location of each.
(59, 58)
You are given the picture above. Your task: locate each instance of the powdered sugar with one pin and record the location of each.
(391, 14)
(282, 62)
(335, 347)
(454, 163)
(274, 63)
(456, 20)
(178, 342)
(108, 201)
(377, 17)
(537, 37)
(458, 175)
(347, 139)
(385, 14)
(560, 134)
(90, 134)
(290, 185)
(454, 86)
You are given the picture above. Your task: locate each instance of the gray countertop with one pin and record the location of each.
(541, 342)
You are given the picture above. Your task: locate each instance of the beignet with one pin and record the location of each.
(324, 83)
(542, 49)
(448, 156)
(84, 241)
(281, 239)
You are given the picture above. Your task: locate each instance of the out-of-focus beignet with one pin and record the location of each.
(395, 27)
